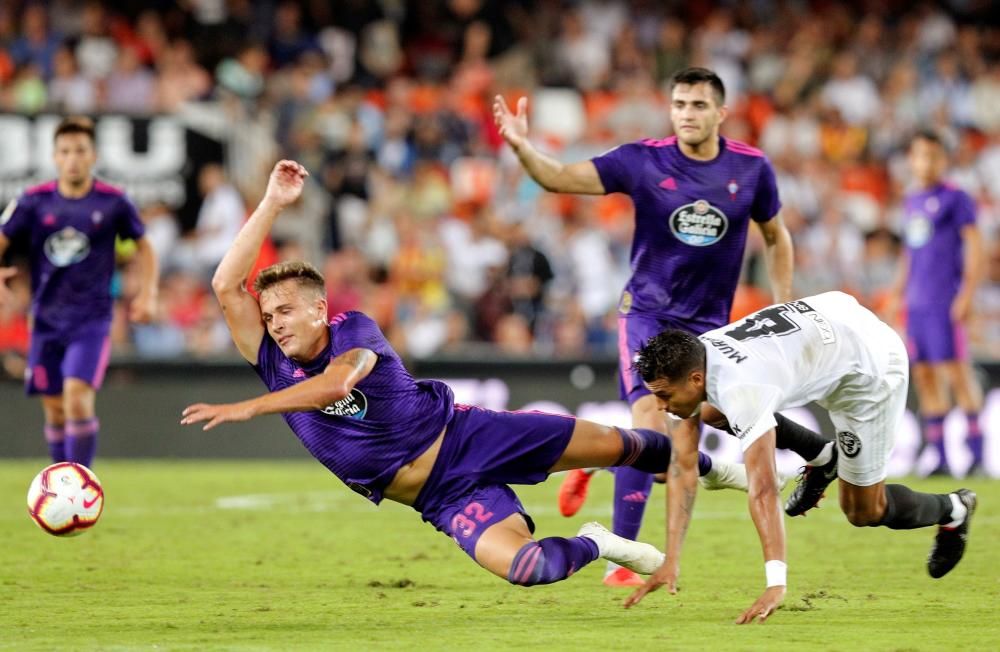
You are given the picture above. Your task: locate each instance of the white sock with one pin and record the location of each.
(958, 511)
(824, 456)
(610, 568)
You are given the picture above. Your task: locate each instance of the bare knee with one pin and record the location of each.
(78, 401)
(864, 512)
(863, 517)
(52, 407)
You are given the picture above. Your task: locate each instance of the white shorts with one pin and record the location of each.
(868, 409)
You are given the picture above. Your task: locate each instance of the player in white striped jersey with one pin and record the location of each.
(829, 349)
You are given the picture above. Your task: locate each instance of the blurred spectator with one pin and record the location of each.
(131, 88)
(36, 45)
(70, 91)
(528, 274)
(386, 103)
(96, 51)
(220, 218)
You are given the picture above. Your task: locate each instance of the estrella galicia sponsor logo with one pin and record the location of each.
(66, 247)
(918, 231)
(850, 444)
(352, 406)
(699, 224)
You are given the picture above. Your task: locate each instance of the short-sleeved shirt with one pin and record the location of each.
(388, 419)
(71, 248)
(691, 222)
(788, 355)
(933, 220)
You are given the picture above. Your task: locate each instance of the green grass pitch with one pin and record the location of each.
(280, 556)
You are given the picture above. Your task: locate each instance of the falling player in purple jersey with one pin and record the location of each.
(695, 195)
(938, 276)
(349, 399)
(68, 228)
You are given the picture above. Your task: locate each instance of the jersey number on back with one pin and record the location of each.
(764, 323)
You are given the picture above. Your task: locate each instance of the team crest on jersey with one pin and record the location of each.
(733, 188)
(66, 247)
(352, 406)
(8, 212)
(699, 224)
(918, 231)
(850, 444)
(932, 204)
(626, 303)
(96, 217)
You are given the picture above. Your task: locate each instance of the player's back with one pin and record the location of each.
(807, 348)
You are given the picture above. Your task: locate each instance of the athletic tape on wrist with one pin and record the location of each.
(776, 572)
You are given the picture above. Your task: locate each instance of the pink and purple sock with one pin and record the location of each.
(632, 489)
(55, 437)
(551, 559)
(934, 435)
(974, 437)
(81, 440)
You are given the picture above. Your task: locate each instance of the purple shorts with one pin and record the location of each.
(633, 332)
(53, 357)
(932, 336)
(483, 451)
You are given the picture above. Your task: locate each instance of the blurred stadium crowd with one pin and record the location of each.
(418, 215)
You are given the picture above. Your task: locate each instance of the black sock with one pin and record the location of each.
(795, 437)
(906, 509)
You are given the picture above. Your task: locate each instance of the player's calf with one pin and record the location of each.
(550, 560)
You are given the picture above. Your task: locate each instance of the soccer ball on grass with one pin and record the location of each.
(65, 499)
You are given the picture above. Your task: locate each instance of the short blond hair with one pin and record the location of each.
(307, 276)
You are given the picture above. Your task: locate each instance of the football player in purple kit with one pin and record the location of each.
(695, 194)
(347, 396)
(938, 276)
(68, 228)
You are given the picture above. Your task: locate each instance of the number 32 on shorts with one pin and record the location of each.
(466, 522)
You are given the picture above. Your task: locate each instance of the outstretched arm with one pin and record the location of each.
(682, 486)
(779, 255)
(765, 509)
(581, 177)
(335, 383)
(240, 308)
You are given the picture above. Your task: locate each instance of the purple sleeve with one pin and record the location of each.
(766, 203)
(130, 226)
(965, 209)
(16, 217)
(359, 331)
(615, 167)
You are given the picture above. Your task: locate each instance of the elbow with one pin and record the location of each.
(222, 285)
(332, 394)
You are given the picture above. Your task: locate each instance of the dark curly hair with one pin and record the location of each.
(671, 355)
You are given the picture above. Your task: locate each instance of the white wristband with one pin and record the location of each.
(776, 572)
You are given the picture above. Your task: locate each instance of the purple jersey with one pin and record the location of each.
(388, 420)
(71, 246)
(691, 220)
(932, 227)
